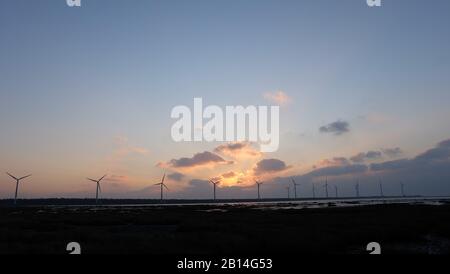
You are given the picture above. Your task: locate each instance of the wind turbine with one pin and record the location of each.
(326, 186)
(214, 183)
(381, 188)
(357, 188)
(99, 188)
(402, 188)
(288, 188)
(336, 190)
(17, 184)
(295, 187)
(162, 185)
(258, 184)
(314, 190)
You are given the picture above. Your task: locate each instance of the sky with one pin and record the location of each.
(87, 91)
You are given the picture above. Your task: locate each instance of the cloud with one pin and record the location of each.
(440, 153)
(117, 178)
(279, 97)
(176, 176)
(392, 152)
(338, 170)
(269, 166)
(363, 156)
(203, 189)
(238, 150)
(336, 161)
(336, 128)
(391, 165)
(230, 174)
(198, 160)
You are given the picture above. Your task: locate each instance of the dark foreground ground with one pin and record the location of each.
(226, 230)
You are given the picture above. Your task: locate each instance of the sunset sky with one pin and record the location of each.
(363, 93)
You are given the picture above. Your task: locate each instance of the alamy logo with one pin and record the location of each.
(374, 3)
(237, 124)
(73, 3)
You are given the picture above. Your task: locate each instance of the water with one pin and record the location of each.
(284, 204)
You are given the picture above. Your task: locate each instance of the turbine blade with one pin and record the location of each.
(24, 177)
(165, 186)
(102, 178)
(158, 184)
(11, 176)
(95, 181)
(99, 187)
(164, 177)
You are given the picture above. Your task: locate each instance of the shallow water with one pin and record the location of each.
(278, 205)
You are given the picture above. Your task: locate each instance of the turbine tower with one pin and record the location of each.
(295, 187)
(17, 184)
(381, 188)
(162, 185)
(326, 186)
(214, 183)
(258, 184)
(99, 189)
(357, 188)
(402, 188)
(336, 190)
(288, 188)
(314, 190)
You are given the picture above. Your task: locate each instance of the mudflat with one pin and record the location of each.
(226, 229)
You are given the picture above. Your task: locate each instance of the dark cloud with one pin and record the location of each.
(269, 166)
(203, 189)
(373, 155)
(336, 128)
(426, 174)
(176, 176)
(231, 147)
(391, 165)
(238, 149)
(444, 144)
(440, 153)
(337, 170)
(363, 156)
(198, 159)
(392, 152)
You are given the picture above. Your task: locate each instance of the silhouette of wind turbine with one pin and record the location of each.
(314, 190)
(336, 190)
(258, 184)
(214, 183)
(288, 188)
(381, 188)
(357, 188)
(162, 185)
(326, 186)
(402, 188)
(295, 187)
(17, 184)
(99, 188)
